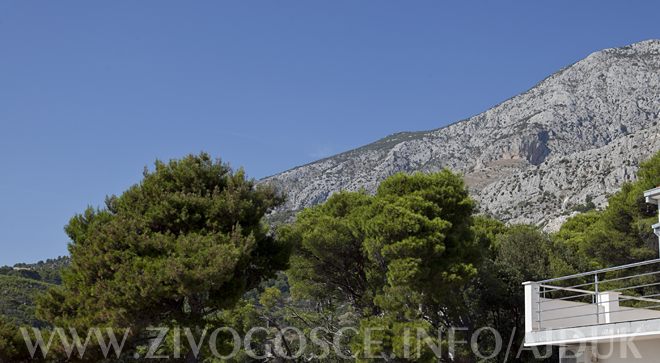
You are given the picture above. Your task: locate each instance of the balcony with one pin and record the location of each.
(609, 304)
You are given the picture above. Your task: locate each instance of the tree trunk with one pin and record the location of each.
(190, 357)
(195, 315)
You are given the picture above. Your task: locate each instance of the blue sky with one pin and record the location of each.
(91, 91)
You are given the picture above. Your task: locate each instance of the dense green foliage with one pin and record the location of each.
(18, 298)
(12, 347)
(272, 306)
(397, 257)
(20, 287)
(188, 247)
(21, 284)
(621, 233)
(47, 271)
(173, 250)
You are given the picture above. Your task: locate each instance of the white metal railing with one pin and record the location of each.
(617, 294)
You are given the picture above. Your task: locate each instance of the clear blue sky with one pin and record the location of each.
(92, 91)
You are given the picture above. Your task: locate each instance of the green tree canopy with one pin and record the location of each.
(185, 242)
(398, 256)
(621, 233)
(12, 346)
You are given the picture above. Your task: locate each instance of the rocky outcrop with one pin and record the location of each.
(577, 135)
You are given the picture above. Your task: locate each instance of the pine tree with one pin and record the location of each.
(173, 250)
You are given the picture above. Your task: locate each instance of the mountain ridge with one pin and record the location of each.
(386, 137)
(592, 103)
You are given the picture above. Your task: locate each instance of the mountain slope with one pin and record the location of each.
(576, 136)
(21, 284)
(18, 296)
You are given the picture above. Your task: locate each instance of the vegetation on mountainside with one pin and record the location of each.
(188, 247)
(18, 298)
(330, 269)
(621, 233)
(20, 287)
(49, 271)
(12, 347)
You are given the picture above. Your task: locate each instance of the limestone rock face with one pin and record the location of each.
(575, 137)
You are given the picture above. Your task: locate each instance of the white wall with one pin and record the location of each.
(557, 314)
(638, 351)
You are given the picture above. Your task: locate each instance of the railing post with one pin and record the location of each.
(609, 302)
(532, 306)
(597, 298)
(538, 306)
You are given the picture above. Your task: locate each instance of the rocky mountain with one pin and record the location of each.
(569, 141)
